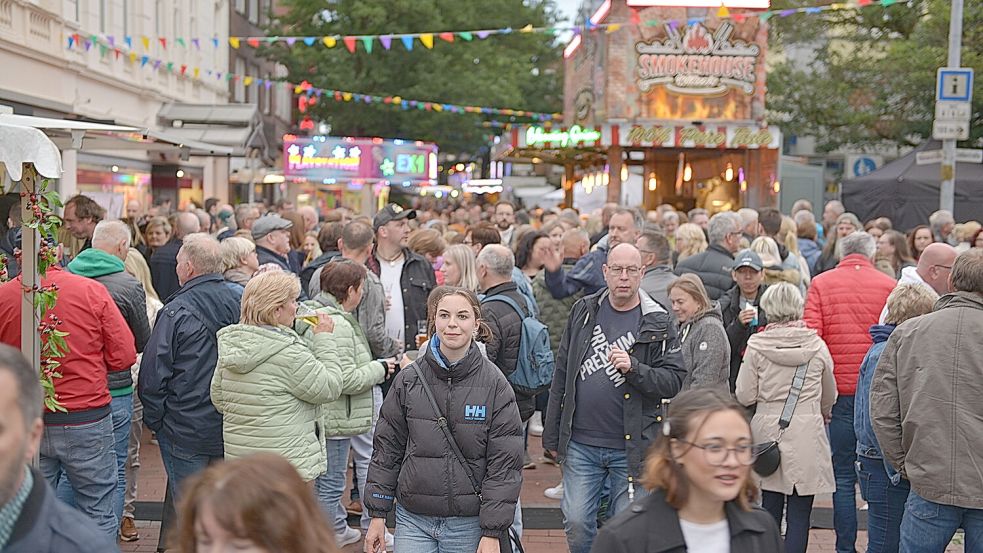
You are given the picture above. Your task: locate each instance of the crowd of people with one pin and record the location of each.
(660, 356)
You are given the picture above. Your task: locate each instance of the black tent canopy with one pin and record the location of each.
(908, 193)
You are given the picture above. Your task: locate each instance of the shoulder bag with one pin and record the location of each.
(767, 455)
(512, 544)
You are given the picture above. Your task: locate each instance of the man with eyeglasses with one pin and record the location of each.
(714, 265)
(933, 269)
(618, 358)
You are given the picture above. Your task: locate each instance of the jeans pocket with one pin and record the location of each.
(863, 478)
(922, 509)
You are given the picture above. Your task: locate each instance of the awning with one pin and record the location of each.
(235, 126)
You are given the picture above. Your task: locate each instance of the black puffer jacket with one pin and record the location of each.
(506, 327)
(713, 267)
(412, 462)
(738, 333)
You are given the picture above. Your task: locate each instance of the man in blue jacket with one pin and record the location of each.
(178, 362)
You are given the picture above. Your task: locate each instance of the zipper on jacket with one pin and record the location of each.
(348, 406)
(447, 458)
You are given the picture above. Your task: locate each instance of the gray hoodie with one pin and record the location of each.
(706, 351)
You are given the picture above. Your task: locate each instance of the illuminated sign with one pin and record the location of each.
(574, 135)
(697, 62)
(330, 159)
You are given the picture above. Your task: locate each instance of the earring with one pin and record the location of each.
(665, 428)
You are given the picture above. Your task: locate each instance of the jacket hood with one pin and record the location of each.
(245, 347)
(787, 346)
(808, 246)
(96, 263)
(713, 313)
(328, 302)
(880, 333)
(960, 299)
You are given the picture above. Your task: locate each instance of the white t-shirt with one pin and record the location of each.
(390, 274)
(706, 538)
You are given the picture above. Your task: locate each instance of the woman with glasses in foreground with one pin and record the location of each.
(771, 361)
(701, 497)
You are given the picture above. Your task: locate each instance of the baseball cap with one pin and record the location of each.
(392, 212)
(267, 224)
(748, 258)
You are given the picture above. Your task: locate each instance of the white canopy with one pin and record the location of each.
(20, 145)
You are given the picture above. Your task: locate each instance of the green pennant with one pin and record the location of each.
(887, 3)
(465, 35)
(367, 42)
(170, 67)
(228, 76)
(181, 42)
(652, 23)
(766, 16)
(102, 50)
(271, 39)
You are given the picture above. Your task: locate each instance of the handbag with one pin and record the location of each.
(513, 543)
(767, 456)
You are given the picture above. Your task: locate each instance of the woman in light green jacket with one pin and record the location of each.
(351, 414)
(270, 384)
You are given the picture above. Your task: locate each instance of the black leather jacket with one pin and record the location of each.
(416, 281)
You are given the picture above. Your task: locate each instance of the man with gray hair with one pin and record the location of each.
(714, 265)
(163, 262)
(179, 360)
(842, 305)
(656, 265)
(942, 223)
(749, 223)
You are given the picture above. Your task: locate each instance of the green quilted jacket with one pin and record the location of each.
(350, 414)
(553, 312)
(270, 385)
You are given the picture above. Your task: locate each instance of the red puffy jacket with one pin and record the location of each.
(841, 306)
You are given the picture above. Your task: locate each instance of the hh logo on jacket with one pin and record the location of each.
(474, 412)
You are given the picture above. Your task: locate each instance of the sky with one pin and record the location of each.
(568, 8)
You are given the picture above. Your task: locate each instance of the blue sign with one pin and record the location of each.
(955, 85)
(863, 166)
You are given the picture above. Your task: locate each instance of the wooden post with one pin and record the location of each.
(30, 316)
(614, 170)
(569, 174)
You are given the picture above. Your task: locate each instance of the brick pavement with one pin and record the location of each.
(152, 482)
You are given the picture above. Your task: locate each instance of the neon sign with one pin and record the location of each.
(307, 158)
(335, 159)
(576, 134)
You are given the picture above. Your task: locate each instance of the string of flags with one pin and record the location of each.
(429, 39)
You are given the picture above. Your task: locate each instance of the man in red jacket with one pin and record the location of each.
(79, 441)
(841, 306)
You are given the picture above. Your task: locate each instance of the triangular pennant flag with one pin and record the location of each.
(447, 37)
(133, 57)
(349, 43)
(146, 42)
(888, 2)
(144, 60)
(652, 23)
(815, 9)
(397, 100)
(310, 40)
(466, 36)
(112, 41)
(247, 81)
(197, 43)
(438, 107)
(253, 41)
(102, 50)
(234, 42)
(268, 84)
(407, 42)
(427, 40)
(229, 76)
(723, 12)
(347, 96)
(694, 21)
(864, 2)
(386, 41)
(197, 72)
(129, 42)
(156, 65)
(116, 52)
(766, 16)
(738, 17)
(613, 27)
(181, 42)
(218, 75)
(71, 41)
(163, 42)
(367, 42)
(291, 40)
(635, 18)
(786, 13)
(170, 66)
(483, 34)
(215, 42)
(526, 29)
(184, 69)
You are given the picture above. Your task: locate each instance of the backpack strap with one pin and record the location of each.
(505, 299)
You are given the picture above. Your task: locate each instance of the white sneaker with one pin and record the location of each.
(351, 535)
(554, 493)
(536, 424)
(389, 541)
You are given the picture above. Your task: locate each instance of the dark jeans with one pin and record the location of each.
(179, 464)
(797, 518)
(885, 505)
(928, 527)
(843, 442)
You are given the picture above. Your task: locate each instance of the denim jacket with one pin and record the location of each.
(867, 445)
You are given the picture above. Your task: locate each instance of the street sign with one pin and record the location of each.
(955, 85)
(953, 111)
(963, 155)
(950, 130)
(928, 157)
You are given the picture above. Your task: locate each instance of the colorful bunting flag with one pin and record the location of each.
(367, 42)
(386, 41)
(427, 40)
(350, 43)
(407, 42)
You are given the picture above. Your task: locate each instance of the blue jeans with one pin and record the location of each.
(426, 534)
(180, 463)
(928, 527)
(843, 442)
(331, 485)
(85, 454)
(122, 409)
(886, 504)
(797, 517)
(586, 469)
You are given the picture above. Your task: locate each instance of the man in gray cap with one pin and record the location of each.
(739, 307)
(272, 236)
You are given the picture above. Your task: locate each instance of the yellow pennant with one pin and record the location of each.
(146, 42)
(247, 81)
(427, 40)
(347, 96)
(329, 41)
(526, 29)
(133, 57)
(197, 72)
(613, 27)
(234, 42)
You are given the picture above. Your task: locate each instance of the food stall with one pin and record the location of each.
(665, 97)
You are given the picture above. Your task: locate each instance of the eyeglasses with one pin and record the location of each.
(716, 454)
(618, 270)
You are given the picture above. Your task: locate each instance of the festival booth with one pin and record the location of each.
(666, 111)
(356, 172)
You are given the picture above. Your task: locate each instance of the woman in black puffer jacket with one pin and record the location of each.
(412, 461)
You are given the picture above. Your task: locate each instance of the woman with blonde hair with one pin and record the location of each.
(459, 267)
(157, 232)
(258, 504)
(690, 241)
(706, 349)
(771, 260)
(788, 236)
(311, 248)
(239, 260)
(702, 494)
(787, 355)
(269, 384)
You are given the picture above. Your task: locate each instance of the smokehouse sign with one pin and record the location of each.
(697, 62)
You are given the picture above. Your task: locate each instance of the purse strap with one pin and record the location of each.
(442, 424)
(798, 381)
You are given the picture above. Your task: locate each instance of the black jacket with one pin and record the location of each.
(308, 271)
(737, 333)
(657, 372)
(46, 525)
(179, 360)
(412, 462)
(266, 255)
(9, 241)
(713, 267)
(416, 282)
(506, 328)
(163, 268)
(651, 525)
